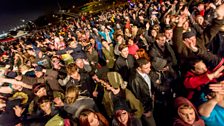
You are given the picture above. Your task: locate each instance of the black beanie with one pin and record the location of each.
(188, 34)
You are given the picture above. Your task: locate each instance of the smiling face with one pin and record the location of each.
(122, 117)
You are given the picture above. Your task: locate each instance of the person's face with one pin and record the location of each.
(146, 68)
(41, 92)
(39, 74)
(161, 41)
(75, 75)
(200, 20)
(40, 54)
(186, 25)
(46, 106)
(169, 34)
(106, 30)
(73, 44)
(55, 61)
(200, 68)
(79, 63)
(124, 52)
(127, 31)
(130, 42)
(123, 117)
(187, 115)
(119, 38)
(154, 33)
(93, 119)
(105, 44)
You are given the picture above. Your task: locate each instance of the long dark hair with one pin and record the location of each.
(118, 113)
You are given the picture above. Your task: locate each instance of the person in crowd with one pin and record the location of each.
(125, 62)
(141, 86)
(90, 118)
(80, 80)
(123, 116)
(190, 38)
(180, 50)
(132, 46)
(186, 113)
(116, 91)
(75, 103)
(211, 110)
(108, 51)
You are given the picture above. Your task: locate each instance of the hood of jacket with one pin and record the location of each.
(181, 101)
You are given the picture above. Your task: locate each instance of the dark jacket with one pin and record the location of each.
(124, 66)
(8, 117)
(167, 54)
(85, 84)
(178, 121)
(141, 91)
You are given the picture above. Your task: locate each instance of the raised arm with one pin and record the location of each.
(211, 31)
(13, 81)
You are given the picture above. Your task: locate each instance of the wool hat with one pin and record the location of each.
(188, 34)
(115, 79)
(159, 63)
(121, 105)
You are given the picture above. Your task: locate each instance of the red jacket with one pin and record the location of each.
(194, 82)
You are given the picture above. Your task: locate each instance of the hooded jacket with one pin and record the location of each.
(178, 121)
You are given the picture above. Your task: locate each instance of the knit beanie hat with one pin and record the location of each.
(188, 34)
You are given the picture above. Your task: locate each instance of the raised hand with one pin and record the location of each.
(217, 73)
(220, 12)
(18, 110)
(181, 21)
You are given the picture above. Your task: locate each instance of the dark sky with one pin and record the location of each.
(13, 11)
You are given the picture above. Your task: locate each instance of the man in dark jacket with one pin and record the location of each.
(125, 62)
(140, 84)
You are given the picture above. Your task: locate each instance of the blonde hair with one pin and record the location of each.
(71, 94)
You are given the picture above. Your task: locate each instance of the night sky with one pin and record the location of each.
(13, 11)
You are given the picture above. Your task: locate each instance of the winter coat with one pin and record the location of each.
(140, 89)
(124, 66)
(178, 121)
(109, 55)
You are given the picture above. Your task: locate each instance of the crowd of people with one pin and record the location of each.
(151, 63)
